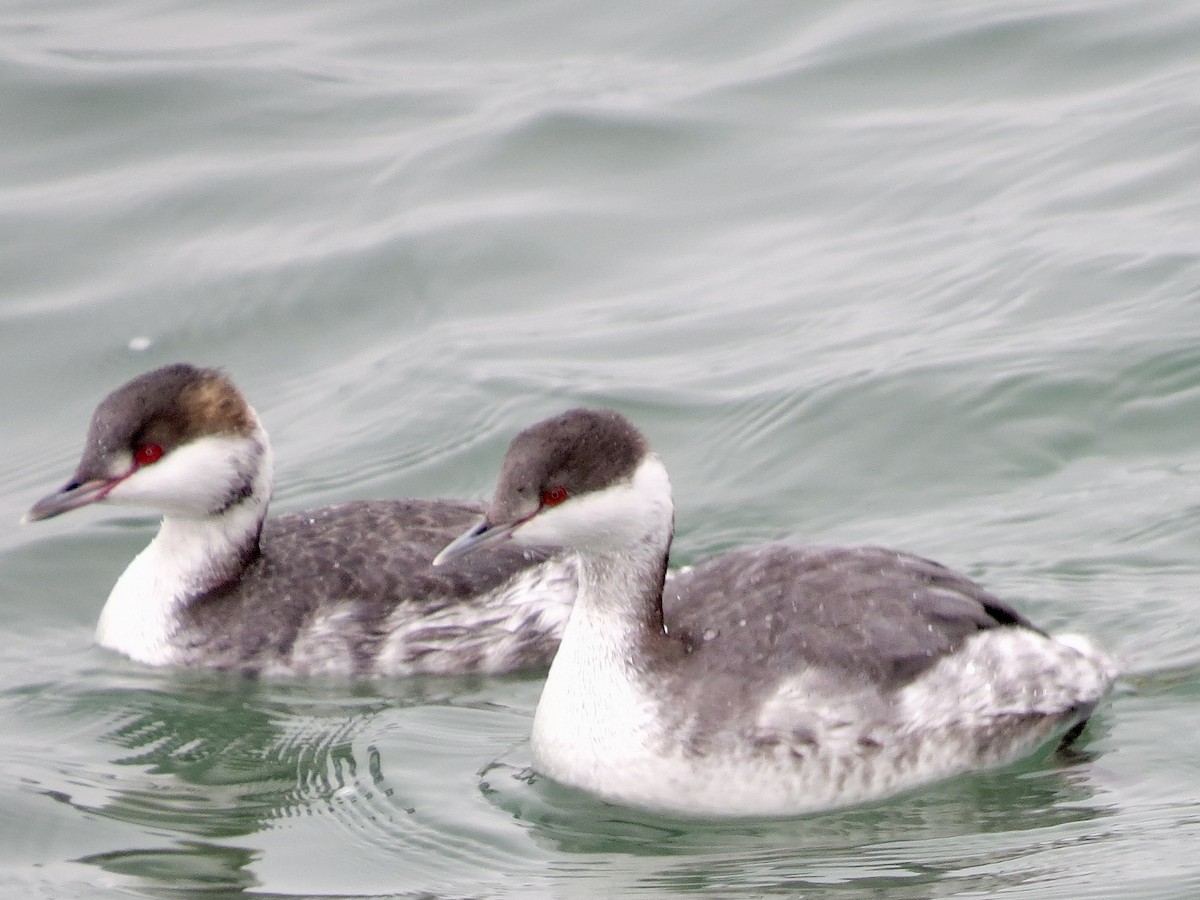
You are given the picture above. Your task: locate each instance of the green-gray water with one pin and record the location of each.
(920, 274)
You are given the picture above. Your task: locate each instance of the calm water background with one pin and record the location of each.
(915, 273)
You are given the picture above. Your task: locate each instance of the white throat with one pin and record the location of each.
(193, 552)
(594, 709)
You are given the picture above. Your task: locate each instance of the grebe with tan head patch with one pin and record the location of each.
(344, 589)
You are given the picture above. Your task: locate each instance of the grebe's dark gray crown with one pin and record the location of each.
(168, 406)
(579, 451)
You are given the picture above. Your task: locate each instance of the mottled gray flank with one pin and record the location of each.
(580, 450)
(344, 575)
(863, 617)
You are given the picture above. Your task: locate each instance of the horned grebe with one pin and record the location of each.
(789, 680)
(345, 589)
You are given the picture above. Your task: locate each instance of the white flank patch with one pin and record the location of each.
(325, 645)
(492, 628)
(1006, 671)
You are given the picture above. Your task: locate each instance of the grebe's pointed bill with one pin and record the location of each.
(478, 535)
(71, 496)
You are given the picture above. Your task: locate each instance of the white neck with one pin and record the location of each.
(192, 553)
(595, 708)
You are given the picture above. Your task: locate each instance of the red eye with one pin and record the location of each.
(147, 453)
(554, 496)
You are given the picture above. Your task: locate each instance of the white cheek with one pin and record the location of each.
(586, 522)
(606, 521)
(193, 480)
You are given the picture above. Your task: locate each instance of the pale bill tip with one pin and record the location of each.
(475, 536)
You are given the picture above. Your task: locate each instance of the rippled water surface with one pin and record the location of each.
(913, 273)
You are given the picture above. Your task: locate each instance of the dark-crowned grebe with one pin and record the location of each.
(345, 589)
(787, 680)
